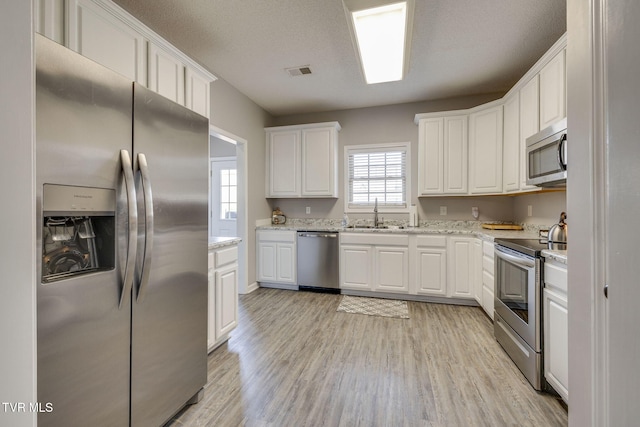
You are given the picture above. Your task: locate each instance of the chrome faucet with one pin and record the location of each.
(376, 222)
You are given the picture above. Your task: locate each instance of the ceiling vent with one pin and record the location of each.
(298, 71)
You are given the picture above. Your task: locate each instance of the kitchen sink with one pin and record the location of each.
(380, 227)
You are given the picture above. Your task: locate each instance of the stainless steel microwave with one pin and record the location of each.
(547, 156)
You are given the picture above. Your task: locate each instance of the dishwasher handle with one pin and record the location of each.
(324, 235)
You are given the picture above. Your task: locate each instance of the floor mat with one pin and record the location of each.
(374, 307)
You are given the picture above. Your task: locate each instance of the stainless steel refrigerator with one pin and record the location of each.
(121, 197)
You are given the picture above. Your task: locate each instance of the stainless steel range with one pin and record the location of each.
(518, 303)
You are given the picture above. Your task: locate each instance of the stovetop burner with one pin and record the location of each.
(531, 247)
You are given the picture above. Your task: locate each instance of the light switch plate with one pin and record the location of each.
(308, 210)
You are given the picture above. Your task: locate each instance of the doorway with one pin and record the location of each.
(227, 193)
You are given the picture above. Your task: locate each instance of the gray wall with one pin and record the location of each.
(235, 113)
(395, 123)
(221, 148)
(18, 263)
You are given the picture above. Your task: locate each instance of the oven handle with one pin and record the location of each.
(524, 262)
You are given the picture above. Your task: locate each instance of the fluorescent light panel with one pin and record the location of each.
(380, 34)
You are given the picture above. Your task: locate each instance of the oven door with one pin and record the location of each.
(517, 294)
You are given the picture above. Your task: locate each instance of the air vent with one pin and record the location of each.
(298, 71)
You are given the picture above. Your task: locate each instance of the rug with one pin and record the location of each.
(374, 307)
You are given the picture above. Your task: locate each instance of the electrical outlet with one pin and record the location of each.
(443, 210)
(475, 212)
(308, 210)
(529, 210)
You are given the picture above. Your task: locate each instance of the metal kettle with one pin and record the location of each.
(558, 232)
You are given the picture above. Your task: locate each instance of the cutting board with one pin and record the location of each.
(502, 226)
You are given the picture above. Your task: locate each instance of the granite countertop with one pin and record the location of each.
(218, 242)
(472, 228)
(560, 256)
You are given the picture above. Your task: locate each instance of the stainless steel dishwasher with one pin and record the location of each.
(318, 261)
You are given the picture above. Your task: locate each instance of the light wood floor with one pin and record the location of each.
(295, 361)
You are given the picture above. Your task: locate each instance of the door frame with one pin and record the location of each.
(241, 220)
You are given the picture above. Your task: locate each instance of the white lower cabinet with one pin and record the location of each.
(461, 267)
(391, 269)
(276, 258)
(374, 262)
(486, 299)
(223, 294)
(431, 265)
(356, 267)
(556, 328)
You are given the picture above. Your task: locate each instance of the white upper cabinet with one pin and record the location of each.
(284, 163)
(552, 91)
(319, 158)
(166, 74)
(485, 150)
(511, 151)
(102, 37)
(107, 34)
(197, 95)
(529, 123)
(443, 155)
(302, 161)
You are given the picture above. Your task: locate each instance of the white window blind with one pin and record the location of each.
(377, 173)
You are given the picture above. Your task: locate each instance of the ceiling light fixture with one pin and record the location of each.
(382, 34)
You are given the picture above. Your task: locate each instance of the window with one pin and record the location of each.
(377, 172)
(228, 194)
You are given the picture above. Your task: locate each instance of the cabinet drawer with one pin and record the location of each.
(432, 241)
(488, 264)
(374, 239)
(488, 248)
(487, 280)
(225, 256)
(276, 236)
(556, 276)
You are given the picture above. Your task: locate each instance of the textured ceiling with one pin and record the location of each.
(459, 47)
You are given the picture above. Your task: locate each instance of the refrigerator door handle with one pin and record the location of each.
(127, 172)
(148, 226)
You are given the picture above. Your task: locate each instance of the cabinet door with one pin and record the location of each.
(455, 155)
(477, 270)
(488, 302)
(49, 19)
(197, 92)
(391, 269)
(286, 263)
(211, 309)
(556, 342)
(485, 151)
(266, 262)
(95, 33)
(432, 271)
(166, 74)
(461, 274)
(226, 290)
(552, 91)
(356, 269)
(319, 154)
(511, 153)
(529, 123)
(431, 156)
(283, 169)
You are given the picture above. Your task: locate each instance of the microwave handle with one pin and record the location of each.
(561, 160)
